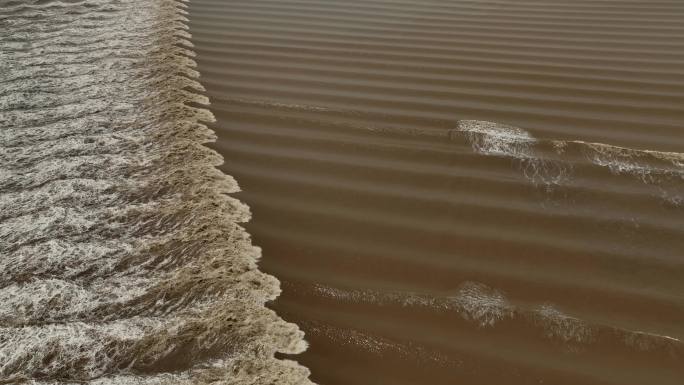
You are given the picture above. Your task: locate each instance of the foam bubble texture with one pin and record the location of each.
(122, 260)
(547, 163)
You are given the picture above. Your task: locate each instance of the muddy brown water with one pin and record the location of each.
(415, 246)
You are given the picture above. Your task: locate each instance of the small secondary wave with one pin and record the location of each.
(486, 307)
(551, 162)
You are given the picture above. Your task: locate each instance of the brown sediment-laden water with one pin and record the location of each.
(122, 256)
(461, 191)
(449, 192)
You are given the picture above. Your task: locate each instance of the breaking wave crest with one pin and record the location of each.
(122, 258)
(551, 162)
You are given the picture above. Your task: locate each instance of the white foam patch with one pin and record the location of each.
(482, 304)
(560, 326)
(491, 138)
(545, 162)
(495, 139)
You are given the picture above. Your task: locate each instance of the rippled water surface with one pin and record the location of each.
(459, 191)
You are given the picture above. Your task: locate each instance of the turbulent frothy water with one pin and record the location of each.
(122, 258)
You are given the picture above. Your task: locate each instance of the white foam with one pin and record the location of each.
(120, 253)
(546, 167)
(560, 326)
(490, 138)
(475, 302)
(495, 139)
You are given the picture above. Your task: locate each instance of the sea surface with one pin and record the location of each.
(461, 191)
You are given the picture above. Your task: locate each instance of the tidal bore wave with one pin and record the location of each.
(122, 258)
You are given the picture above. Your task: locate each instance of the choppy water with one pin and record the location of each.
(461, 191)
(122, 258)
